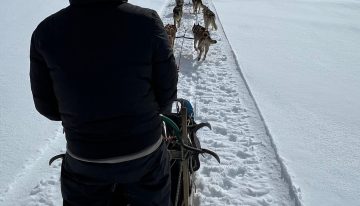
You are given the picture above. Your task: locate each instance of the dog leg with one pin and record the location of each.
(206, 51)
(206, 23)
(195, 41)
(201, 51)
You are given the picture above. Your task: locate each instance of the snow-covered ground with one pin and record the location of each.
(300, 59)
(23, 132)
(302, 62)
(249, 173)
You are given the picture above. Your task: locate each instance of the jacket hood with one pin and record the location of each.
(77, 2)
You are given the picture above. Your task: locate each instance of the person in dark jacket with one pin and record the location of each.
(106, 70)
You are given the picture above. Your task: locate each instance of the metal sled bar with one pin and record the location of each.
(178, 188)
(186, 179)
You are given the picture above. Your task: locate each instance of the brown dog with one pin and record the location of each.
(202, 40)
(204, 44)
(171, 32)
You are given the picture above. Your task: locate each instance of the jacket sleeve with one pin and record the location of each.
(41, 84)
(165, 75)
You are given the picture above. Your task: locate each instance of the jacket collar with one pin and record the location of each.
(83, 2)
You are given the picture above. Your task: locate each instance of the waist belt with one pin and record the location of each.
(113, 160)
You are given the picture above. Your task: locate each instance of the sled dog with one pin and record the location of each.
(199, 32)
(171, 32)
(202, 37)
(204, 44)
(196, 5)
(179, 2)
(177, 14)
(209, 18)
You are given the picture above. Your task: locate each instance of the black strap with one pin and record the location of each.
(62, 156)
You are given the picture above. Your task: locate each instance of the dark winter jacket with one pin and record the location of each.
(106, 70)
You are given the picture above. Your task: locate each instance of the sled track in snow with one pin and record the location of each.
(25, 191)
(252, 172)
(294, 192)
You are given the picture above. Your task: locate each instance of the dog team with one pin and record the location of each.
(202, 39)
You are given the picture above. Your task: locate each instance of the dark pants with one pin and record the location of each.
(141, 182)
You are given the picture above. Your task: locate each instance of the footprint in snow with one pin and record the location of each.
(264, 202)
(216, 192)
(250, 143)
(251, 162)
(220, 99)
(232, 138)
(206, 170)
(243, 155)
(227, 183)
(245, 117)
(256, 192)
(220, 130)
(218, 145)
(239, 171)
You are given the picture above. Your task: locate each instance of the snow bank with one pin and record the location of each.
(301, 60)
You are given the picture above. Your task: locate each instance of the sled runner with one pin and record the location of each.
(184, 147)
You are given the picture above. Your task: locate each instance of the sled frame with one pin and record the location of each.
(182, 155)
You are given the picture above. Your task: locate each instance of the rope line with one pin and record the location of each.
(181, 49)
(182, 44)
(185, 37)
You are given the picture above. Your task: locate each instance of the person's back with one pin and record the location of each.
(106, 70)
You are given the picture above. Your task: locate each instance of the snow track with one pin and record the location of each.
(249, 173)
(38, 184)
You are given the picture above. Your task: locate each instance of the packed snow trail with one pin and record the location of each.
(249, 173)
(25, 190)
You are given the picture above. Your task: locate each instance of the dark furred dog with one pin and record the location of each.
(179, 2)
(202, 40)
(209, 17)
(177, 14)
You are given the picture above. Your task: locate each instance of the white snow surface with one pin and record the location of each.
(290, 52)
(249, 173)
(302, 62)
(24, 134)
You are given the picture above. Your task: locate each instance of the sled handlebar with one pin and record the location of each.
(177, 131)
